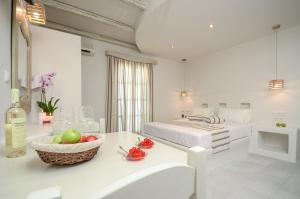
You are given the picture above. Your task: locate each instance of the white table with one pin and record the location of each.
(20, 176)
(275, 142)
(38, 130)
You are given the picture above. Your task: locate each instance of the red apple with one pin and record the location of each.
(83, 138)
(90, 138)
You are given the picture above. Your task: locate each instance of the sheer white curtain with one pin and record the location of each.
(129, 95)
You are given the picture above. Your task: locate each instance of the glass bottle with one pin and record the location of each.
(15, 128)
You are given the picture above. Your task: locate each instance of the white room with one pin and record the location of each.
(149, 99)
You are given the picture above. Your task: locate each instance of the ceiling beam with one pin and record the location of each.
(137, 3)
(99, 37)
(88, 14)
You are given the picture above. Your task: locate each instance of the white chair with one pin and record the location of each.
(176, 181)
(48, 193)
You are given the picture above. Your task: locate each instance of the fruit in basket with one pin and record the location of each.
(90, 138)
(82, 139)
(57, 139)
(70, 136)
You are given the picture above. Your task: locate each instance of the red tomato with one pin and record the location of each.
(136, 152)
(146, 142)
(82, 138)
(90, 138)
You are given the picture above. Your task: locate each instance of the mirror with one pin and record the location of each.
(21, 53)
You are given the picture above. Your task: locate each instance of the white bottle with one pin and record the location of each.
(15, 128)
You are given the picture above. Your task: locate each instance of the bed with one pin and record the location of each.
(187, 133)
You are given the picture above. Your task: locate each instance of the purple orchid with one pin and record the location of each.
(47, 80)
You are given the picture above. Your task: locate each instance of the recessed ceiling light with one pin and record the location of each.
(172, 46)
(211, 26)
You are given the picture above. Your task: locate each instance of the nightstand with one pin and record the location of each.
(279, 143)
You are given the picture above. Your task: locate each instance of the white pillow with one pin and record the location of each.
(235, 115)
(206, 112)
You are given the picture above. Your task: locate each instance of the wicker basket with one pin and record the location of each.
(66, 154)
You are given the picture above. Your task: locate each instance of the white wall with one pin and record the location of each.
(59, 52)
(241, 74)
(168, 81)
(5, 59)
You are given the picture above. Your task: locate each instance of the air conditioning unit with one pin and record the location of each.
(87, 51)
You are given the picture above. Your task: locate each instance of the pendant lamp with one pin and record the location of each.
(276, 84)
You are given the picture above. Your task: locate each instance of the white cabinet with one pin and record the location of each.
(279, 143)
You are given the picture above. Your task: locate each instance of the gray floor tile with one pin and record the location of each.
(293, 184)
(281, 170)
(283, 194)
(236, 174)
(226, 183)
(246, 193)
(264, 184)
(258, 159)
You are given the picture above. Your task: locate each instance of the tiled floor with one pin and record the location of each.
(236, 174)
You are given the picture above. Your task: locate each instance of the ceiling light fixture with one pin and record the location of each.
(276, 84)
(211, 26)
(183, 92)
(36, 12)
(172, 46)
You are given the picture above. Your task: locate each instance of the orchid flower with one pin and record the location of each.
(47, 80)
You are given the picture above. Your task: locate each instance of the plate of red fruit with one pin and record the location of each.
(147, 143)
(134, 153)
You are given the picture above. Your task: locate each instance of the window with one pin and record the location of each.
(133, 94)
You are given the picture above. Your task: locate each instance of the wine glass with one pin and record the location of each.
(86, 118)
(57, 121)
(68, 117)
(86, 113)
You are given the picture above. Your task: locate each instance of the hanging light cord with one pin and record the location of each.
(276, 52)
(184, 76)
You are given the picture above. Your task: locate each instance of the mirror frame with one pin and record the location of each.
(20, 23)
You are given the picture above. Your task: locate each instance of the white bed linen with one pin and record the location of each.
(238, 130)
(189, 137)
(185, 136)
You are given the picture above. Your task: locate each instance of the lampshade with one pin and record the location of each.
(36, 12)
(183, 93)
(276, 84)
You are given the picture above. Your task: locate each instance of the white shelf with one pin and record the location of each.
(271, 141)
(279, 143)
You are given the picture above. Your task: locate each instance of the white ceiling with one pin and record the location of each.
(117, 11)
(89, 25)
(114, 9)
(184, 23)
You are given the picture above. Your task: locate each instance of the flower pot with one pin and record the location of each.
(49, 118)
(42, 115)
(45, 118)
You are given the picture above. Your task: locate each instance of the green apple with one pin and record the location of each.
(283, 125)
(70, 136)
(278, 124)
(57, 139)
